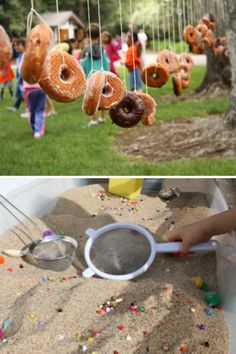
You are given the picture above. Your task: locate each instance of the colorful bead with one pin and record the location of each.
(198, 282)
(213, 299)
(183, 348)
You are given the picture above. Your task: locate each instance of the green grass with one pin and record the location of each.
(177, 47)
(68, 148)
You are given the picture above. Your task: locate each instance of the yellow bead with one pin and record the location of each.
(32, 315)
(198, 282)
(78, 336)
(91, 340)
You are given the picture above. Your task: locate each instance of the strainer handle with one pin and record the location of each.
(169, 247)
(88, 273)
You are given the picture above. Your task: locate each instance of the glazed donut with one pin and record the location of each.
(62, 77)
(185, 58)
(113, 91)
(148, 102)
(170, 60)
(5, 48)
(155, 75)
(185, 75)
(190, 35)
(149, 113)
(205, 20)
(202, 29)
(209, 39)
(177, 84)
(212, 26)
(35, 54)
(93, 92)
(128, 112)
(149, 120)
(197, 48)
(223, 41)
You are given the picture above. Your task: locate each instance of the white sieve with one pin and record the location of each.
(123, 251)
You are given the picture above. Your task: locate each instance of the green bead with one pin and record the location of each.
(141, 308)
(204, 287)
(213, 299)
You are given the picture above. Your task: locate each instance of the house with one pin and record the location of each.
(70, 26)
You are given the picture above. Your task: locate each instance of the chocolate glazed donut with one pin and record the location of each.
(128, 112)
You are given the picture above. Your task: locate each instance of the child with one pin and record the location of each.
(6, 79)
(203, 230)
(94, 57)
(133, 62)
(35, 100)
(20, 48)
(111, 50)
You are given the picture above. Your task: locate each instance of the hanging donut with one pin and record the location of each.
(177, 84)
(190, 35)
(209, 39)
(112, 92)
(155, 75)
(35, 53)
(149, 113)
(62, 77)
(197, 48)
(186, 58)
(93, 93)
(185, 75)
(169, 59)
(128, 112)
(5, 48)
(202, 29)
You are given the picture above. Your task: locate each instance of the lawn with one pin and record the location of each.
(69, 148)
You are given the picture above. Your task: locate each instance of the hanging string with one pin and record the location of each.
(158, 26)
(58, 22)
(30, 17)
(144, 47)
(90, 36)
(164, 26)
(100, 33)
(173, 23)
(168, 24)
(191, 13)
(153, 35)
(180, 21)
(132, 39)
(121, 33)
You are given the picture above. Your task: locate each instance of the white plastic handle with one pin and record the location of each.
(88, 273)
(90, 233)
(15, 253)
(169, 247)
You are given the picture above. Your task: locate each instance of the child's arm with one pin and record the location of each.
(203, 230)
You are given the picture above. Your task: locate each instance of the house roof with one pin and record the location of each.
(53, 19)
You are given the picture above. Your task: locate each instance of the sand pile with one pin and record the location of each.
(48, 312)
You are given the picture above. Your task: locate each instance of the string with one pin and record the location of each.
(132, 39)
(164, 27)
(173, 23)
(158, 27)
(144, 31)
(100, 34)
(179, 13)
(30, 17)
(191, 12)
(121, 32)
(168, 24)
(184, 17)
(90, 36)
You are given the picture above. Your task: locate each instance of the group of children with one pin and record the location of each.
(95, 56)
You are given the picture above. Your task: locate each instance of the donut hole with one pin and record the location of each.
(155, 75)
(107, 90)
(65, 73)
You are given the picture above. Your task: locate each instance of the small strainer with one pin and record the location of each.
(52, 252)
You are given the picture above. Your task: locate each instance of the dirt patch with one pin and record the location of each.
(182, 139)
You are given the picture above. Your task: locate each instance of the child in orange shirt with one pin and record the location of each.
(6, 79)
(133, 62)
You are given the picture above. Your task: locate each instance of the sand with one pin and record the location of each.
(51, 312)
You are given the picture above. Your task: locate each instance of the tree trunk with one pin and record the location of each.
(231, 35)
(218, 74)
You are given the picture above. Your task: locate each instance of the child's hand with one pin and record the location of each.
(189, 235)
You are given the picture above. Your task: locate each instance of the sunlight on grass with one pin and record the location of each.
(69, 148)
